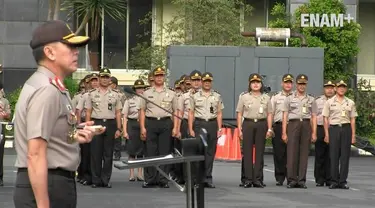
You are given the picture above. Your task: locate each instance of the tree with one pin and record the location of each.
(340, 43)
(90, 11)
(198, 22)
(53, 9)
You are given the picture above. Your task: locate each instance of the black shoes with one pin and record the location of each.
(279, 183)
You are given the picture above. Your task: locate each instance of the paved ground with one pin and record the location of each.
(227, 194)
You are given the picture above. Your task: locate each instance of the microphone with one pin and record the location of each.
(131, 91)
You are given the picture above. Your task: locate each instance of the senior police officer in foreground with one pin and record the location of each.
(158, 126)
(298, 131)
(103, 106)
(339, 125)
(254, 121)
(4, 114)
(205, 111)
(322, 166)
(279, 146)
(46, 138)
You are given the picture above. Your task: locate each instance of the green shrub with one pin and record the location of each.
(72, 85)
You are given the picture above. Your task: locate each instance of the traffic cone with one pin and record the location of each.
(228, 144)
(220, 145)
(235, 153)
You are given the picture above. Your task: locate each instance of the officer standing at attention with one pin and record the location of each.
(103, 106)
(131, 130)
(4, 114)
(322, 166)
(46, 137)
(186, 82)
(256, 110)
(205, 111)
(158, 126)
(279, 146)
(339, 125)
(85, 166)
(122, 97)
(298, 131)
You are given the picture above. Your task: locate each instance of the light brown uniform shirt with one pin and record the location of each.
(103, 105)
(201, 104)
(166, 99)
(4, 106)
(254, 107)
(131, 107)
(277, 102)
(300, 107)
(183, 103)
(339, 113)
(122, 96)
(45, 111)
(320, 101)
(76, 100)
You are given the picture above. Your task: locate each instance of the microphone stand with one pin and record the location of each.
(200, 170)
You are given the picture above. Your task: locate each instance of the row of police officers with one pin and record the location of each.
(294, 120)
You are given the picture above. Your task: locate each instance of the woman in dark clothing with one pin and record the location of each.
(131, 128)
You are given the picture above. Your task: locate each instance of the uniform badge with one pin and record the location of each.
(110, 106)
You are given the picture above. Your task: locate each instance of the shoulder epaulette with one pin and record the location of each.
(242, 93)
(57, 83)
(115, 90)
(216, 92)
(170, 88)
(90, 91)
(272, 93)
(309, 94)
(147, 88)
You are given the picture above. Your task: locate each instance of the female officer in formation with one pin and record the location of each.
(131, 130)
(254, 116)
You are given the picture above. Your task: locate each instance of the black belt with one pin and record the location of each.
(57, 171)
(278, 122)
(159, 118)
(299, 119)
(320, 125)
(132, 119)
(207, 120)
(340, 125)
(104, 120)
(254, 119)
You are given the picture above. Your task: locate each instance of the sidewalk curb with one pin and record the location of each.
(355, 152)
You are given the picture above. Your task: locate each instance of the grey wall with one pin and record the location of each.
(231, 67)
(18, 18)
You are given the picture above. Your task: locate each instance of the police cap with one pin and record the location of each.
(207, 76)
(177, 84)
(94, 76)
(87, 78)
(139, 84)
(302, 79)
(104, 72)
(255, 77)
(328, 83)
(56, 31)
(341, 83)
(288, 78)
(195, 75)
(158, 71)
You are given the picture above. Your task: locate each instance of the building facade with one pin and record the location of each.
(114, 47)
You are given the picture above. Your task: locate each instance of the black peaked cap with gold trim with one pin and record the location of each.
(104, 72)
(341, 83)
(288, 78)
(207, 76)
(139, 84)
(158, 71)
(302, 79)
(194, 75)
(328, 83)
(255, 77)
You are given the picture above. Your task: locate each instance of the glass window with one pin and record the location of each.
(114, 43)
(139, 33)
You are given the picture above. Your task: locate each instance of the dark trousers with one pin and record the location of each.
(178, 168)
(117, 148)
(158, 143)
(61, 190)
(79, 170)
(86, 162)
(2, 144)
(279, 153)
(212, 128)
(322, 165)
(102, 152)
(298, 147)
(243, 177)
(254, 133)
(340, 139)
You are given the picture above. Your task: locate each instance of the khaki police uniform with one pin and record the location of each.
(339, 115)
(206, 109)
(4, 107)
(278, 145)
(117, 143)
(104, 106)
(51, 119)
(322, 165)
(44, 111)
(300, 113)
(159, 125)
(135, 146)
(254, 110)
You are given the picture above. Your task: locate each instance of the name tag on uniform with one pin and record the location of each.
(304, 109)
(260, 109)
(110, 106)
(343, 113)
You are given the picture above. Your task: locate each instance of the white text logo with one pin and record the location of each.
(325, 20)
